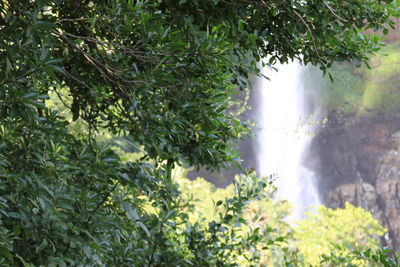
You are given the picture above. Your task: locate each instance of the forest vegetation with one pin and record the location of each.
(103, 104)
(361, 90)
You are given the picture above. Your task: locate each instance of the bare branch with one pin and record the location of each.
(334, 13)
(71, 20)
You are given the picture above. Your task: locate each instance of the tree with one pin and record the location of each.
(161, 72)
(350, 228)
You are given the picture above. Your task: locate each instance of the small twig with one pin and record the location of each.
(309, 30)
(94, 211)
(102, 202)
(61, 100)
(333, 12)
(71, 20)
(108, 72)
(19, 77)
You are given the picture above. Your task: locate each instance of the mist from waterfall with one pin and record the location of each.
(284, 134)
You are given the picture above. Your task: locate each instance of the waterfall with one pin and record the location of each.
(284, 135)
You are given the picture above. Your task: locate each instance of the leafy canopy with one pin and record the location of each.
(162, 71)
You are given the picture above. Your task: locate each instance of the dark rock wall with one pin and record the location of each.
(358, 160)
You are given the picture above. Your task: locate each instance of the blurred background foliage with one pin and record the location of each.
(302, 241)
(360, 90)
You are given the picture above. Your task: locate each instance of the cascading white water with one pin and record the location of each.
(284, 136)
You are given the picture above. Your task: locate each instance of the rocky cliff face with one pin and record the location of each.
(358, 160)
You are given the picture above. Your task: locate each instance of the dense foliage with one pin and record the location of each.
(303, 242)
(160, 74)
